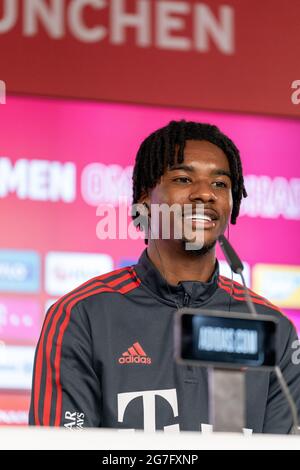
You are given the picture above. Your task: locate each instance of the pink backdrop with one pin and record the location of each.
(84, 133)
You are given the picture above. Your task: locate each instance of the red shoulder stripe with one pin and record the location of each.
(243, 298)
(84, 293)
(227, 282)
(239, 290)
(48, 391)
(122, 290)
(241, 295)
(39, 360)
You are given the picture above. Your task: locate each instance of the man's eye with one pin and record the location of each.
(182, 179)
(220, 184)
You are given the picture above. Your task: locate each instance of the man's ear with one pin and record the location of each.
(145, 200)
(141, 212)
(145, 197)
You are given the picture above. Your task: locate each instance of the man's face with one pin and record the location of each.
(201, 181)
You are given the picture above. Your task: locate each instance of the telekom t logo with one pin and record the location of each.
(2, 92)
(148, 398)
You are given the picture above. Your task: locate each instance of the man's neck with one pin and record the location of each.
(176, 264)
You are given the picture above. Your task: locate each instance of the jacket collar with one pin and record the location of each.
(186, 293)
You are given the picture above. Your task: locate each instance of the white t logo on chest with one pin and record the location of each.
(148, 398)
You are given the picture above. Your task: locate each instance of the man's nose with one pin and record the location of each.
(202, 191)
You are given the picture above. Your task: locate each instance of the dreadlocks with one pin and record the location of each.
(157, 153)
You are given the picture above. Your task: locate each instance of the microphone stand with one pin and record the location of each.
(227, 387)
(227, 398)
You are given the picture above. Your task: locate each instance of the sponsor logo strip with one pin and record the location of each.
(279, 283)
(66, 270)
(16, 363)
(19, 271)
(19, 319)
(14, 409)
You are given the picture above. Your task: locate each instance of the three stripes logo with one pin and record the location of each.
(135, 355)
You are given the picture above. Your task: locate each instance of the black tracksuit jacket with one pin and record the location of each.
(105, 357)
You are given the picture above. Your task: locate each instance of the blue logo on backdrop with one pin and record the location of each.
(19, 271)
(126, 262)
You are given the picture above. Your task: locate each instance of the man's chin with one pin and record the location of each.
(198, 249)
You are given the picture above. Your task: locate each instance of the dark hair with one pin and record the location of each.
(157, 153)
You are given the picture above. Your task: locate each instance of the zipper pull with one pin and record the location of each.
(186, 299)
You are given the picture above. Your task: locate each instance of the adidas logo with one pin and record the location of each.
(135, 355)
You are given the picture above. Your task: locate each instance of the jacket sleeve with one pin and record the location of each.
(278, 417)
(66, 390)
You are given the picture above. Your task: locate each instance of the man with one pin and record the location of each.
(105, 355)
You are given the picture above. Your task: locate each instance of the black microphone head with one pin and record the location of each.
(231, 256)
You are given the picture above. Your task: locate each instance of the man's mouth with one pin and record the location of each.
(198, 217)
(203, 218)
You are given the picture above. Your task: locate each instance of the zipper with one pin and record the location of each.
(186, 299)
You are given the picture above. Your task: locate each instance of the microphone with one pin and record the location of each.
(230, 255)
(237, 267)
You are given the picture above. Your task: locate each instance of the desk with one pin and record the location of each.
(30, 438)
